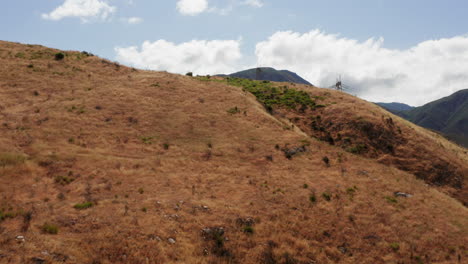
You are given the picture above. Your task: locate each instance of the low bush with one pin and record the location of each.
(59, 56)
(49, 229)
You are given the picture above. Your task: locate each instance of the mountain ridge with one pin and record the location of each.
(447, 115)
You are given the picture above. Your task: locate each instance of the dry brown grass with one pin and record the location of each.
(106, 126)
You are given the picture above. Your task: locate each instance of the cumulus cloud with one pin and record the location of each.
(254, 3)
(83, 9)
(192, 7)
(425, 72)
(198, 56)
(133, 20)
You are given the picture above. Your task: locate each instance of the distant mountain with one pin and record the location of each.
(395, 107)
(269, 74)
(448, 115)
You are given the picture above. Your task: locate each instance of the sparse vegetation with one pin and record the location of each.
(147, 140)
(63, 180)
(391, 199)
(82, 206)
(305, 186)
(233, 110)
(395, 246)
(141, 191)
(49, 228)
(11, 159)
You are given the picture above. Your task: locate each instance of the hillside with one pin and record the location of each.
(448, 115)
(395, 107)
(101, 163)
(269, 74)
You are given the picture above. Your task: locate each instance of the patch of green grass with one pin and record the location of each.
(395, 246)
(147, 140)
(5, 215)
(11, 159)
(357, 149)
(233, 111)
(49, 229)
(82, 206)
(271, 96)
(20, 55)
(391, 199)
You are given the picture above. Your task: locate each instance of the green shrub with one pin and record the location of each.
(305, 186)
(248, 229)
(59, 56)
(189, 74)
(49, 229)
(312, 198)
(63, 180)
(326, 160)
(82, 206)
(327, 196)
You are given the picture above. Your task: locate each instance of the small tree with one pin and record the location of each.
(189, 74)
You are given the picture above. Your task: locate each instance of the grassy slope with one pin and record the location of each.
(160, 157)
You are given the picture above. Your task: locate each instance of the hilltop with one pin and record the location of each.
(268, 74)
(101, 163)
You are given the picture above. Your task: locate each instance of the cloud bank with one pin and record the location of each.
(83, 9)
(198, 56)
(428, 71)
(254, 3)
(192, 7)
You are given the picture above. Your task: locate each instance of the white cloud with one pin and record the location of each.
(83, 9)
(198, 56)
(254, 3)
(192, 7)
(428, 71)
(133, 20)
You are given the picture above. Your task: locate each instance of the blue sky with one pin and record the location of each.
(408, 51)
